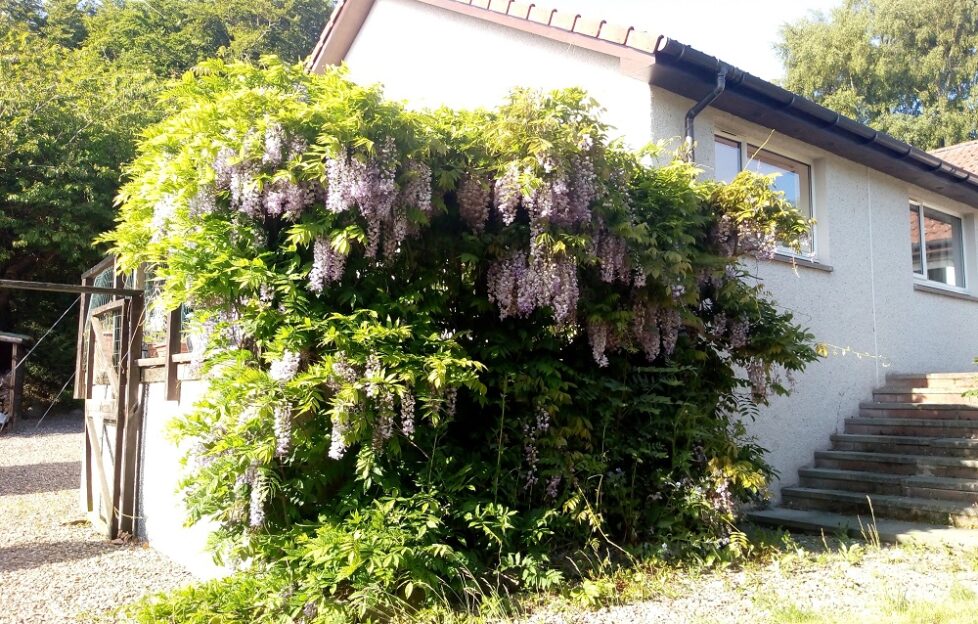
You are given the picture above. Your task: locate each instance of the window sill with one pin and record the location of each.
(801, 262)
(946, 292)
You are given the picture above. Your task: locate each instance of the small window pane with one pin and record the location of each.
(918, 267)
(944, 256)
(793, 179)
(727, 159)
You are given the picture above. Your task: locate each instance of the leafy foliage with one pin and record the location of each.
(78, 83)
(905, 66)
(448, 353)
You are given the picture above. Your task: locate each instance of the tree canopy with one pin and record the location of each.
(907, 67)
(78, 84)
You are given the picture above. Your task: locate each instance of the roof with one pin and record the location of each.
(679, 68)
(964, 155)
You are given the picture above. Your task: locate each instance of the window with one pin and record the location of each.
(936, 246)
(794, 178)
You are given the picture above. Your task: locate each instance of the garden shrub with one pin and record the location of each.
(450, 354)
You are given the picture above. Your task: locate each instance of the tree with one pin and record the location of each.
(907, 67)
(68, 119)
(78, 83)
(171, 36)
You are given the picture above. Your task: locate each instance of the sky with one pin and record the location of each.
(740, 32)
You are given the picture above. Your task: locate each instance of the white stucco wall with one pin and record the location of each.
(866, 309)
(429, 57)
(162, 512)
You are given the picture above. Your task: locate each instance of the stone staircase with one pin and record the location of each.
(909, 460)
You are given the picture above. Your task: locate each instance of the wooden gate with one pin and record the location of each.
(107, 377)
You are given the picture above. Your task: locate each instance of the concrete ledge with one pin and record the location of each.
(802, 262)
(944, 292)
(890, 531)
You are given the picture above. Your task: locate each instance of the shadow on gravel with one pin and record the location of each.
(52, 425)
(36, 478)
(28, 556)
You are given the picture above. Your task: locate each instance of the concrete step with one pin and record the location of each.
(889, 531)
(920, 486)
(909, 445)
(943, 396)
(914, 509)
(917, 410)
(925, 427)
(934, 380)
(898, 464)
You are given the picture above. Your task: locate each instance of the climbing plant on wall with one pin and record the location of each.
(446, 352)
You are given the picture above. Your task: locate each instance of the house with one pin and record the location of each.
(888, 281)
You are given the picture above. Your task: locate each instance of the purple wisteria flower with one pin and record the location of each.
(597, 333)
(407, 413)
(474, 200)
(256, 508)
(670, 321)
(327, 265)
(739, 330)
(283, 429)
(757, 375)
(508, 194)
(285, 368)
(337, 438)
(645, 329)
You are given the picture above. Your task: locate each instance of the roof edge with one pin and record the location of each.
(684, 70)
(633, 47)
(865, 142)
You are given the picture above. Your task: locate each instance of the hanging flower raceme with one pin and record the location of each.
(386, 299)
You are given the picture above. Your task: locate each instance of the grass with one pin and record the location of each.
(784, 579)
(960, 606)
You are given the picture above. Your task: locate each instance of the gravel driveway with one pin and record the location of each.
(53, 565)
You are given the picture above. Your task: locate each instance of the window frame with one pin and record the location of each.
(923, 208)
(746, 143)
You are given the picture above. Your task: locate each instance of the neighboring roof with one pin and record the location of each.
(674, 66)
(964, 155)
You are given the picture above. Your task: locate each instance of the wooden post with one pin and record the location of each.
(122, 392)
(132, 432)
(172, 392)
(16, 383)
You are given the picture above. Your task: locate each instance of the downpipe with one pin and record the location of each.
(691, 114)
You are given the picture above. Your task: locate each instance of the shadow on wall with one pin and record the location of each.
(37, 478)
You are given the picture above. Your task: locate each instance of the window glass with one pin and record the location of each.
(793, 179)
(943, 253)
(727, 159)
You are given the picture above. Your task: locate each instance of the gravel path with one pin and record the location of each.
(53, 565)
(855, 583)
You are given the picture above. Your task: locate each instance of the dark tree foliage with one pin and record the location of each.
(78, 83)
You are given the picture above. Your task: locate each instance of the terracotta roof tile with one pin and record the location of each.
(540, 15)
(615, 33)
(500, 6)
(642, 41)
(520, 9)
(587, 26)
(964, 155)
(563, 20)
